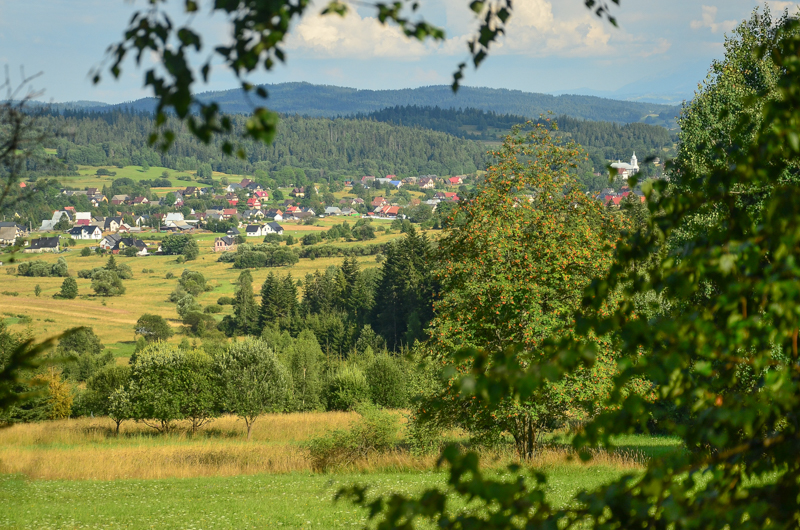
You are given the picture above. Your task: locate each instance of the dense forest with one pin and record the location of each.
(322, 147)
(330, 101)
(608, 140)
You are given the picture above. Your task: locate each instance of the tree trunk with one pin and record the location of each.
(249, 427)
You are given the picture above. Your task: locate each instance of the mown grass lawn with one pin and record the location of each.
(294, 500)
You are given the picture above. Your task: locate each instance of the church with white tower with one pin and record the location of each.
(625, 170)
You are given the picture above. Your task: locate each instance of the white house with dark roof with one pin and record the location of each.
(86, 232)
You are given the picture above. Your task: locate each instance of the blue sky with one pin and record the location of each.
(552, 46)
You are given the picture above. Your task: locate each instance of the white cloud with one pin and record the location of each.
(533, 30)
(708, 20)
(779, 6)
(352, 36)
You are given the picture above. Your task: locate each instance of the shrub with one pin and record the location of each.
(86, 251)
(11, 270)
(375, 432)
(273, 238)
(193, 282)
(38, 268)
(225, 300)
(387, 382)
(153, 328)
(169, 276)
(347, 389)
(213, 309)
(180, 259)
(107, 283)
(69, 288)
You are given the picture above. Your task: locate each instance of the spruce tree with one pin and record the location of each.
(270, 297)
(245, 311)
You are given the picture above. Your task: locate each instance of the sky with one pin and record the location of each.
(552, 46)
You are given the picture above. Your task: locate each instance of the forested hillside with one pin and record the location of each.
(320, 146)
(330, 101)
(602, 140)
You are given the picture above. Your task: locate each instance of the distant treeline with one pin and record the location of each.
(319, 146)
(607, 140)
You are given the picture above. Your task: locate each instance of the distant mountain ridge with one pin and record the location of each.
(330, 101)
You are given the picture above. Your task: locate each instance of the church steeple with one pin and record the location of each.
(635, 162)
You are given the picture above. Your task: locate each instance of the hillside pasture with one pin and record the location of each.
(113, 318)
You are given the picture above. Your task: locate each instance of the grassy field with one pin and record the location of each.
(78, 474)
(113, 318)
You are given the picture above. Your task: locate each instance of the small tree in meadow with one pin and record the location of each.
(102, 388)
(252, 380)
(153, 328)
(69, 288)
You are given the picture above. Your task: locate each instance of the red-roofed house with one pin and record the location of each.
(254, 203)
(378, 202)
(261, 194)
(455, 181)
(390, 211)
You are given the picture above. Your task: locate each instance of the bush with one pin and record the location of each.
(86, 251)
(42, 269)
(375, 432)
(69, 289)
(107, 283)
(347, 389)
(213, 309)
(153, 328)
(273, 238)
(225, 300)
(193, 282)
(169, 276)
(387, 382)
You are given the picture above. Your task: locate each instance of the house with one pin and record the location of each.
(21, 231)
(253, 214)
(455, 181)
(254, 186)
(233, 232)
(261, 194)
(112, 224)
(8, 235)
(366, 181)
(227, 213)
(224, 244)
(140, 220)
(140, 200)
(349, 211)
(43, 244)
(254, 203)
(446, 196)
(386, 180)
(125, 242)
(427, 183)
(396, 183)
(230, 188)
(119, 199)
(191, 191)
(83, 218)
(390, 211)
(298, 192)
(245, 182)
(377, 202)
(274, 214)
(303, 215)
(333, 210)
(254, 231)
(173, 219)
(358, 200)
(86, 232)
(273, 228)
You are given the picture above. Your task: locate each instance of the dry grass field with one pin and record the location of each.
(88, 449)
(112, 318)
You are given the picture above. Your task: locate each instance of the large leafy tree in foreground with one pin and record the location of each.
(512, 274)
(730, 352)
